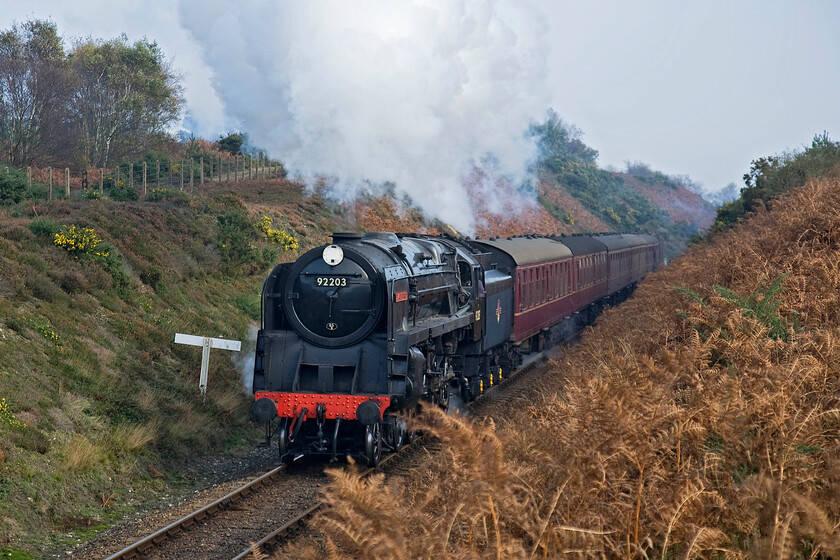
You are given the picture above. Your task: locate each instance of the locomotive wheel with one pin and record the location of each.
(283, 440)
(398, 434)
(373, 445)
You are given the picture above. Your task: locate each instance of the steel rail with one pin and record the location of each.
(142, 546)
(278, 534)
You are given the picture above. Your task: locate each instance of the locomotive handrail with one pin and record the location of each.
(353, 274)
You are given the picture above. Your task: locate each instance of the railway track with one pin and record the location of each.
(145, 545)
(247, 518)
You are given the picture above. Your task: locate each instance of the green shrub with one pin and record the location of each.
(12, 185)
(236, 238)
(122, 192)
(112, 261)
(152, 277)
(44, 227)
(157, 195)
(773, 175)
(762, 305)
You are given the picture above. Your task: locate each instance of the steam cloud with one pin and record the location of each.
(415, 93)
(244, 360)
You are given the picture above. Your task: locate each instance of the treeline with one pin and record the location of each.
(92, 105)
(772, 176)
(566, 160)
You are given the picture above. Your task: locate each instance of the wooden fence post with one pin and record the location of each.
(131, 175)
(117, 177)
(182, 174)
(29, 177)
(144, 179)
(235, 168)
(192, 173)
(157, 175)
(49, 174)
(201, 165)
(67, 182)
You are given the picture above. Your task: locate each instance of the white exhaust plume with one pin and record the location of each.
(244, 360)
(411, 92)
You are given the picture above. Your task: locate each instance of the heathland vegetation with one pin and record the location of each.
(697, 420)
(100, 409)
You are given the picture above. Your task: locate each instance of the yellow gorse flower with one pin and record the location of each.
(7, 416)
(277, 236)
(79, 241)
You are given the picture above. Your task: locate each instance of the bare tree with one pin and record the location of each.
(34, 88)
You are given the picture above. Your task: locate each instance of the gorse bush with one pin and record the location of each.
(84, 242)
(235, 238)
(277, 236)
(79, 241)
(122, 192)
(6, 416)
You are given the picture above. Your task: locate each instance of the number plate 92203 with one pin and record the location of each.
(329, 282)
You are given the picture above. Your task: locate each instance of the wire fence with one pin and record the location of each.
(185, 174)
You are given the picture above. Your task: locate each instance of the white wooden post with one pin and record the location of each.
(206, 344)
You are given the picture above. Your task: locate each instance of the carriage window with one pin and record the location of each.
(545, 287)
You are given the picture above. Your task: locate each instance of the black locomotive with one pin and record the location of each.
(358, 331)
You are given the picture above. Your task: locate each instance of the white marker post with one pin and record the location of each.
(206, 344)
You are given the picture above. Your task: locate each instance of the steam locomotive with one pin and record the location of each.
(358, 331)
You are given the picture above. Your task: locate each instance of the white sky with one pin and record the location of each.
(689, 87)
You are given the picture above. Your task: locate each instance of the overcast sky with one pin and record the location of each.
(700, 88)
